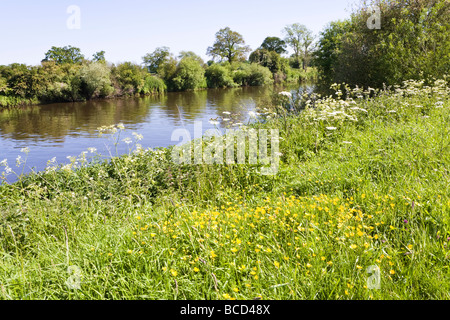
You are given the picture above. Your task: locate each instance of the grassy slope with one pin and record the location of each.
(142, 227)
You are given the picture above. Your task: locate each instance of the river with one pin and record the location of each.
(61, 130)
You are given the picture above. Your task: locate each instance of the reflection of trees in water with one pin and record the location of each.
(55, 121)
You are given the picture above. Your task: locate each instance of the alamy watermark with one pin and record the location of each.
(74, 20)
(248, 146)
(374, 21)
(374, 281)
(74, 280)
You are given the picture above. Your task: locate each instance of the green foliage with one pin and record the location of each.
(95, 80)
(219, 76)
(99, 56)
(252, 75)
(274, 44)
(61, 55)
(229, 46)
(191, 54)
(153, 85)
(363, 181)
(413, 42)
(189, 75)
(157, 59)
(129, 78)
(266, 58)
(300, 39)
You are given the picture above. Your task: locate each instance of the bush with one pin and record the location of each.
(413, 42)
(153, 85)
(190, 75)
(95, 80)
(129, 78)
(252, 75)
(218, 76)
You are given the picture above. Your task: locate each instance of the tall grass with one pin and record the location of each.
(362, 182)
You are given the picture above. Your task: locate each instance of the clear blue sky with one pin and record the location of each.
(127, 30)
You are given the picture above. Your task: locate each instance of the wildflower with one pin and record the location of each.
(235, 289)
(130, 251)
(286, 94)
(92, 150)
(331, 128)
(120, 126)
(214, 122)
(252, 114)
(127, 140)
(277, 264)
(25, 150)
(137, 136)
(353, 246)
(196, 269)
(213, 255)
(173, 273)
(234, 250)
(4, 163)
(392, 272)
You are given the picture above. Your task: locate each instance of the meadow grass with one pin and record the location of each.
(363, 181)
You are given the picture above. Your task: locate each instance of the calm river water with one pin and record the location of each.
(67, 129)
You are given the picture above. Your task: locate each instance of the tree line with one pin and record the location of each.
(413, 42)
(65, 74)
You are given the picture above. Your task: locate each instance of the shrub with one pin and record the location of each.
(218, 76)
(95, 80)
(190, 75)
(153, 84)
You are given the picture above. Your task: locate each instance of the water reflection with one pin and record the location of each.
(64, 129)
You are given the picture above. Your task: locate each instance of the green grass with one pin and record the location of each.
(372, 189)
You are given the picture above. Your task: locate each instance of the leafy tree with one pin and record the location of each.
(67, 54)
(99, 56)
(153, 61)
(252, 75)
(229, 45)
(413, 43)
(95, 80)
(218, 76)
(190, 54)
(300, 39)
(190, 75)
(327, 56)
(274, 44)
(266, 58)
(129, 77)
(3, 85)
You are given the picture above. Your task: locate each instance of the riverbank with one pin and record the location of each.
(362, 183)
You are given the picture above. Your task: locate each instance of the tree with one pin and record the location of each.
(274, 44)
(229, 45)
(266, 58)
(300, 39)
(99, 56)
(190, 54)
(153, 61)
(63, 55)
(413, 43)
(190, 75)
(130, 77)
(95, 80)
(218, 76)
